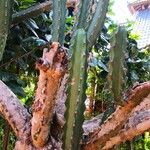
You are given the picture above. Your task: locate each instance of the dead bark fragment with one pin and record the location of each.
(14, 112)
(52, 68)
(114, 123)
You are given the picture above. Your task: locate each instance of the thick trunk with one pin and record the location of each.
(52, 68)
(138, 122)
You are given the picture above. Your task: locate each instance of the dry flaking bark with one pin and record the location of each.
(16, 115)
(117, 120)
(56, 124)
(58, 119)
(51, 145)
(134, 129)
(93, 124)
(138, 122)
(62, 96)
(52, 68)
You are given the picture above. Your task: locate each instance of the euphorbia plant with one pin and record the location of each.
(44, 128)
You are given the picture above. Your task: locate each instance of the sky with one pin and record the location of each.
(121, 11)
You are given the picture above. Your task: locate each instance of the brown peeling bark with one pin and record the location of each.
(142, 124)
(115, 123)
(92, 125)
(128, 133)
(52, 68)
(51, 145)
(14, 112)
(138, 123)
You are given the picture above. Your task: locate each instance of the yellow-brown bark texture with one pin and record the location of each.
(52, 67)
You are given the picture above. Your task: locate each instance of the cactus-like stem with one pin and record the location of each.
(56, 20)
(76, 93)
(116, 64)
(59, 20)
(91, 11)
(5, 13)
(83, 14)
(97, 22)
(81, 18)
(63, 22)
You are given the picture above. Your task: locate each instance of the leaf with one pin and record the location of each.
(93, 62)
(13, 82)
(7, 77)
(102, 65)
(134, 76)
(22, 64)
(37, 41)
(31, 28)
(18, 90)
(32, 23)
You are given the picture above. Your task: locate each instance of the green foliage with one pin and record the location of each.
(13, 82)
(29, 91)
(138, 63)
(12, 138)
(147, 140)
(23, 4)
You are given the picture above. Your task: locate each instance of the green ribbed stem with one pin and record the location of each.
(59, 20)
(117, 64)
(5, 15)
(97, 22)
(76, 93)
